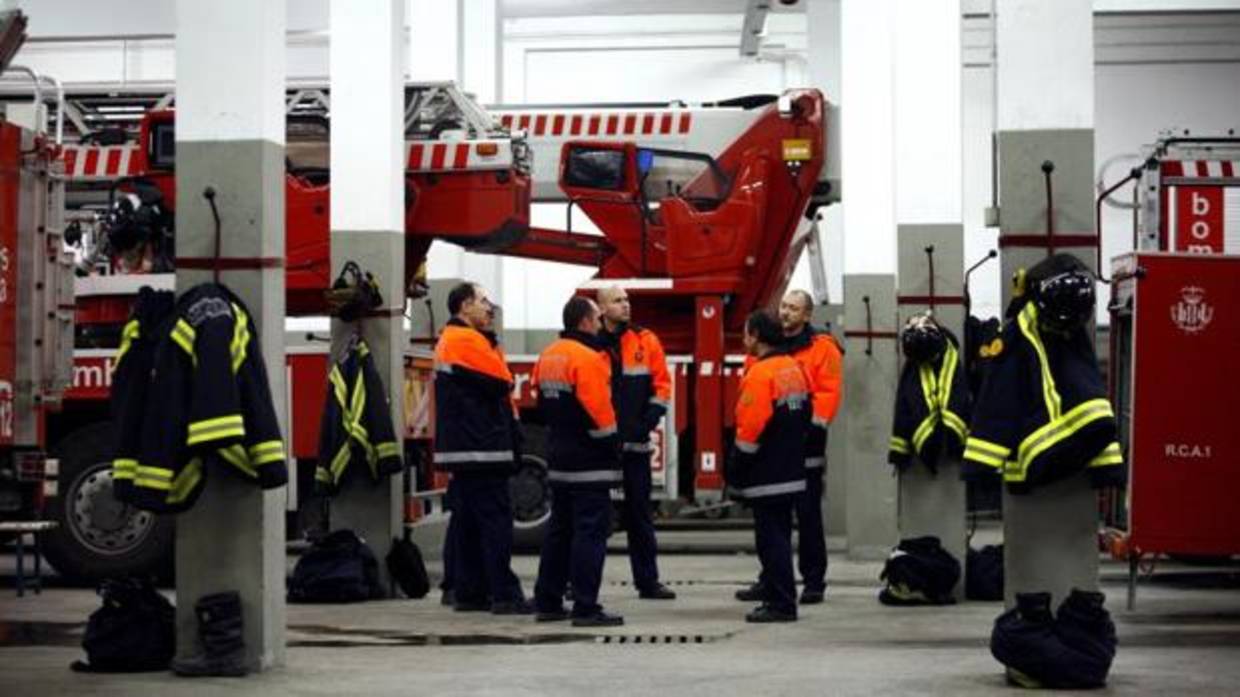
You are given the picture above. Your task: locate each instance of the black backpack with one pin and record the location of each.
(983, 574)
(134, 631)
(919, 572)
(338, 568)
(404, 563)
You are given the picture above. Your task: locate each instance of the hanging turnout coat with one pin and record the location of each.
(208, 405)
(932, 410)
(1043, 413)
(356, 433)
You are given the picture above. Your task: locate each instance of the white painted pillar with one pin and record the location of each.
(230, 136)
(368, 221)
(824, 64)
(868, 170)
(1045, 93)
(929, 199)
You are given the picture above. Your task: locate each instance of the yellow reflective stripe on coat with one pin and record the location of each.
(241, 337)
(153, 477)
(985, 452)
(1028, 321)
(186, 481)
(946, 375)
(129, 334)
(388, 449)
(339, 462)
(1110, 455)
(955, 423)
(267, 452)
(899, 445)
(124, 468)
(184, 336)
(1056, 432)
(235, 455)
(924, 430)
(216, 429)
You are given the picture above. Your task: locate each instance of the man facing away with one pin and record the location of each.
(641, 393)
(819, 355)
(766, 467)
(573, 380)
(477, 439)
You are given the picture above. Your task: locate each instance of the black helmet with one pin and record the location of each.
(135, 219)
(922, 339)
(1065, 301)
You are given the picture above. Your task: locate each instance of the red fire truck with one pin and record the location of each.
(702, 211)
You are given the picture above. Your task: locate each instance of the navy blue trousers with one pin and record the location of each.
(811, 539)
(635, 516)
(481, 533)
(772, 527)
(574, 549)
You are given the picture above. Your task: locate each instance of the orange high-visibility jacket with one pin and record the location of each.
(573, 380)
(773, 415)
(641, 384)
(475, 421)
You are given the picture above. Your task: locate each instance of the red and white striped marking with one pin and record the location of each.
(429, 156)
(100, 161)
(1201, 169)
(598, 124)
(89, 162)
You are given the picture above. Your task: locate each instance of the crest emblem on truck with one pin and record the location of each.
(1192, 314)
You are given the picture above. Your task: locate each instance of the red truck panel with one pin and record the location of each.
(10, 147)
(1184, 456)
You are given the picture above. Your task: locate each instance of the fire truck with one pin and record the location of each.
(703, 211)
(1172, 335)
(36, 292)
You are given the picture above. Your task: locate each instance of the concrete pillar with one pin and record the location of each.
(230, 136)
(1045, 112)
(868, 159)
(367, 219)
(823, 53)
(929, 197)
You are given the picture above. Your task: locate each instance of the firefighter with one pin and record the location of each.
(477, 439)
(767, 464)
(573, 380)
(819, 355)
(641, 392)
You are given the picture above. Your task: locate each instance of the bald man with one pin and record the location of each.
(641, 393)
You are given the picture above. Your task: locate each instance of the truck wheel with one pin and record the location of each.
(100, 537)
(531, 503)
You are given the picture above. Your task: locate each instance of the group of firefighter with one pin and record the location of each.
(603, 387)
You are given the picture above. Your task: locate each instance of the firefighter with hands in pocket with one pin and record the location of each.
(641, 393)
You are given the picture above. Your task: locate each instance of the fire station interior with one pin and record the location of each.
(550, 346)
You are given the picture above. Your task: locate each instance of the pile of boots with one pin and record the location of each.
(1072, 650)
(221, 634)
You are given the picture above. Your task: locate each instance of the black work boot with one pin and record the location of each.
(223, 641)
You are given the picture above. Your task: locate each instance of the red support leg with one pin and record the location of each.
(708, 398)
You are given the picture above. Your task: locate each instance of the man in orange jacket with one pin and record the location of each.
(766, 466)
(641, 391)
(573, 380)
(478, 440)
(819, 355)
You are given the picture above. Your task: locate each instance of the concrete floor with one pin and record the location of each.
(1183, 638)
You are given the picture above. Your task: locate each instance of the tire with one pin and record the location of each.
(98, 536)
(530, 493)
